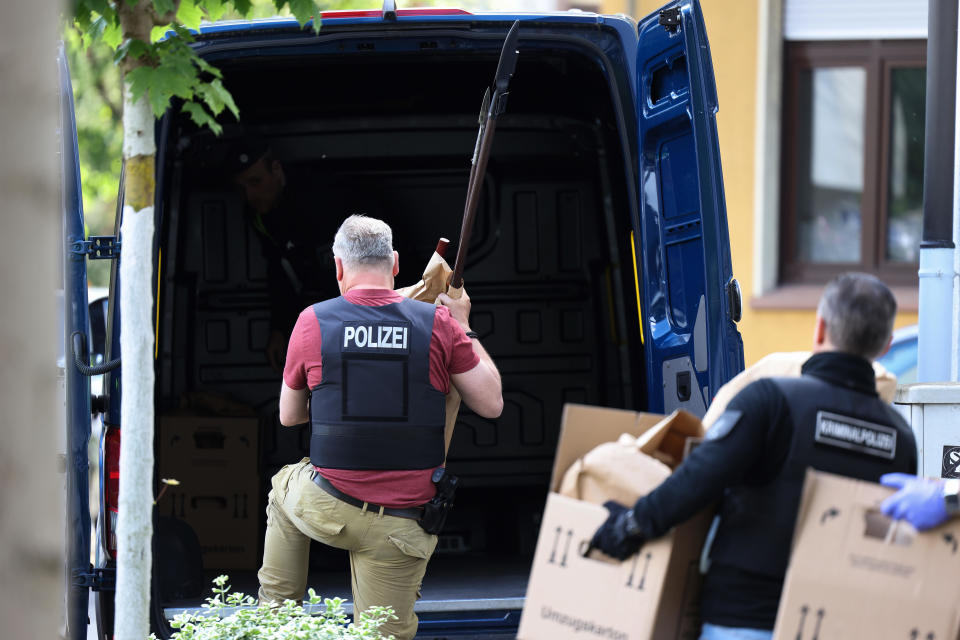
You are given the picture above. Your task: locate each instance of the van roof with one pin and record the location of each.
(417, 14)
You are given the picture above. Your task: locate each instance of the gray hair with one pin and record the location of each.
(859, 311)
(363, 241)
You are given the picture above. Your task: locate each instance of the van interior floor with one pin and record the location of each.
(495, 582)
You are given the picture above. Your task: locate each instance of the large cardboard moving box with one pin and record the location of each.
(856, 574)
(655, 593)
(214, 459)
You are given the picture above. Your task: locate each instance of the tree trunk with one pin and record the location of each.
(135, 501)
(134, 525)
(32, 578)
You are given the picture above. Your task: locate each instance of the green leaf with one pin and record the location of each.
(302, 10)
(182, 33)
(164, 6)
(170, 80)
(162, 83)
(139, 80)
(94, 32)
(139, 48)
(103, 7)
(210, 98)
(132, 49)
(83, 18)
(175, 55)
(207, 67)
(112, 35)
(157, 33)
(216, 97)
(189, 14)
(243, 7)
(215, 9)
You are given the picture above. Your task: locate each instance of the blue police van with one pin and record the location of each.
(599, 269)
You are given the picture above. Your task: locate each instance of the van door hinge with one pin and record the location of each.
(670, 19)
(96, 248)
(103, 579)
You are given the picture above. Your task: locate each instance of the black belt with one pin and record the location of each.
(413, 513)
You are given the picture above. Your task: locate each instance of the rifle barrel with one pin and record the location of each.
(494, 102)
(470, 208)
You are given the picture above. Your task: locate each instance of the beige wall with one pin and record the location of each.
(732, 28)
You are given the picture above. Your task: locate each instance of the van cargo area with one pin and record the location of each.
(385, 123)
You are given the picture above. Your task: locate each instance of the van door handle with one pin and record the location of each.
(734, 300)
(683, 386)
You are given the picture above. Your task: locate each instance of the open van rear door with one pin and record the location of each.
(76, 320)
(690, 300)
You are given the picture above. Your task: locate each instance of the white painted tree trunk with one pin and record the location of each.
(134, 525)
(32, 577)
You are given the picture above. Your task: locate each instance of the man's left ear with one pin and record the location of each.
(819, 331)
(396, 263)
(339, 263)
(886, 348)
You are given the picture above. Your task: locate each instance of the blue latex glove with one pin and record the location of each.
(612, 537)
(919, 501)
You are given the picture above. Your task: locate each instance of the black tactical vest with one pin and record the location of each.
(375, 407)
(835, 430)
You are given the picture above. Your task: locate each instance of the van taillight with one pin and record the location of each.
(111, 487)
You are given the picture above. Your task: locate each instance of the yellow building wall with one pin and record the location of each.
(732, 31)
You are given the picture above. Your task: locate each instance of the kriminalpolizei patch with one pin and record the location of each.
(856, 435)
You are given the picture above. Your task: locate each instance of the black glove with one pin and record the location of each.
(618, 536)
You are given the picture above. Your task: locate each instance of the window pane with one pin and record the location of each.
(908, 89)
(830, 163)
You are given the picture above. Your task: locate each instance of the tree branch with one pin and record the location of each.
(101, 86)
(166, 18)
(136, 22)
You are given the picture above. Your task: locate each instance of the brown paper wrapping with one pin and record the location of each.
(783, 364)
(433, 283)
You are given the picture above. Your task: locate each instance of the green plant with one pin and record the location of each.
(248, 621)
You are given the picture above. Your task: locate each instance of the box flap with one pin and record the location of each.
(583, 427)
(667, 439)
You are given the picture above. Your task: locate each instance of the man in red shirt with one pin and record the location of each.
(370, 370)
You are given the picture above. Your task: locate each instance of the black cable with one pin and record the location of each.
(79, 346)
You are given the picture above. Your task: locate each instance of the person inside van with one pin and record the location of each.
(755, 455)
(281, 207)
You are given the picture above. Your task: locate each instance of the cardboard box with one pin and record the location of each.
(654, 594)
(207, 451)
(215, 460)
(856, 574)
(227, 523)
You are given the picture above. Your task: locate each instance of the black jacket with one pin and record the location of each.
(753, 463)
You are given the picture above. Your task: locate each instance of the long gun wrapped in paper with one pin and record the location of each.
(438, 277)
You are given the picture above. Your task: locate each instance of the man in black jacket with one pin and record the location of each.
(755, 456)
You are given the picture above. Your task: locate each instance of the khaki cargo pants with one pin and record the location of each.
(388, 554)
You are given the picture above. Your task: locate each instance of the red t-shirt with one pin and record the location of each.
(451, 352)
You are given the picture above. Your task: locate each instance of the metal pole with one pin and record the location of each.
(955, 351)
(937, 247)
